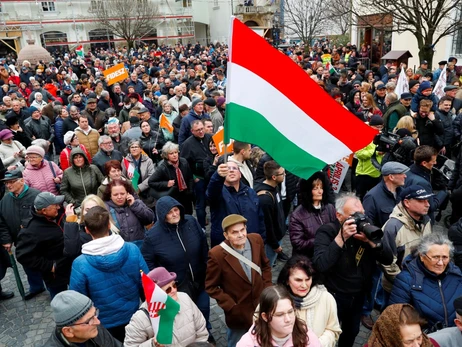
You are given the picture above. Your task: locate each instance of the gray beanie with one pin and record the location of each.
(69, 306)
(196, 101)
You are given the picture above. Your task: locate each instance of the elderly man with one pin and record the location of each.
(228, 195)
(71, 122)
(40, 127)
(136, 83)
(347, 259)
(95, 114)
(106, 152)
(77, 323)
(237, 272)
(104, 103)
(215, 115)
(15, 209)
(179, 99)
(40, 244)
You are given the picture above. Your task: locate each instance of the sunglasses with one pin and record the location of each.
(169, 289)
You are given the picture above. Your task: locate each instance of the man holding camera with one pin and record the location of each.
(346, 252)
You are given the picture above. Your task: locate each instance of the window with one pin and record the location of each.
(215, 4)
(96, 5)
(48, 6)
(187, 3)
(457, 40)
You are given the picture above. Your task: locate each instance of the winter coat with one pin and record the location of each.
(108, 272)
(98, 117)
(392, 115)
(59, 135)
(188, 326)
(455, 235)
(401, 235)
(8, 150)
(448, 137)
(338, 264)
(102, 157)
(166, 172)
(365, 166)
(165, 244)
(15, 213)
(429, 130)
(250, 340)
(303, 225)
(88, 139)
(40, 246)
(431, 295)
(65, 156)
(195, 151)
(41, 177)
(148, 143)
(229, 285)
(379, 202)
(146, 170)
(130, 220)
(419, 96)
(185, 129)
(69, 125)
(40, 128)
(226, 200)
(78, 182)
(103, 339)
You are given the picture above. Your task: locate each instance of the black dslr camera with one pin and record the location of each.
(363, 224)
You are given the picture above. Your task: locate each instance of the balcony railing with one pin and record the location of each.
(255, 9)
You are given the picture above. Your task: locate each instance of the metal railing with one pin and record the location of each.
(254, 9)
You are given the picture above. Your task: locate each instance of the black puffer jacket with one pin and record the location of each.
(455, 235)
(40, 246)
(448, 136)
(165, 244)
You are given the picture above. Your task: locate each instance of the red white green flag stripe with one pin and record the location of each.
(274, 104)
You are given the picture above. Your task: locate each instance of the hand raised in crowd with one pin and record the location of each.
(223, 170)
(69, 210)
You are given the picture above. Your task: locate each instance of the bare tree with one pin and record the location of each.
(130, 20)
(429, 21)
(341, 16)
(306, 19)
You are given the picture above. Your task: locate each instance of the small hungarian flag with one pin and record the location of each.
(165, 124)
(331, 68)
(79, 51)
(302, 131)
(162, 310)
(132, 174)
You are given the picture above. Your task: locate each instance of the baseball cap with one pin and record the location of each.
(45, 199)
(381, 86)
(424, 62)
(415, 192)
(406, 96)
(231, 220)
(393, 167)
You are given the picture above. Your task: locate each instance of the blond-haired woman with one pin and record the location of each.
(74, 228)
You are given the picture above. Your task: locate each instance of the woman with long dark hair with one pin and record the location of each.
(277, 323)
(313, 303)
(313, 212)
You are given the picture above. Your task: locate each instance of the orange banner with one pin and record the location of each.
(164, 123)
(218, 139)
(115, 74)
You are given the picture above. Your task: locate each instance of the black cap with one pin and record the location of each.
(423, 62)
(381, 86)
(415, 192)
(406, 96)
(12, 175)
(392, 75)
(450, 87)
(442, 62)
(458, 305)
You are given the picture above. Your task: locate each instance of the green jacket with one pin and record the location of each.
(393, 114)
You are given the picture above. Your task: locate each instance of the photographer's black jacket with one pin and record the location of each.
(338, 265)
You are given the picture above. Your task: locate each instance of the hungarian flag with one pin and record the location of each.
(79, 51)
(285, 113)
(165, 124)
(331, 68)
(132, 174)
(162, 310)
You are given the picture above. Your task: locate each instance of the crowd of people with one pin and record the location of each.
(101, 181)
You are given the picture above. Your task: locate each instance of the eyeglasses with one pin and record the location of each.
(89, 321)
(169, 289)
(33, 157)
(281, 174)
(437, 258)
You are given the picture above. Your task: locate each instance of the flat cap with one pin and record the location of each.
(231, 220)
(393, 168)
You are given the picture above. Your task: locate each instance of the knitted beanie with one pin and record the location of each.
(69, 306)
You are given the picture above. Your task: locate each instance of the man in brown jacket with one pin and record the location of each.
(236, 283)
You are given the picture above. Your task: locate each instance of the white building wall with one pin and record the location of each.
(220, 20)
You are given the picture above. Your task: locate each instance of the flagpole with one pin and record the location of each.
(226, 139)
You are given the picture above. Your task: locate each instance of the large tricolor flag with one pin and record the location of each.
(273, 103)
(162, 310)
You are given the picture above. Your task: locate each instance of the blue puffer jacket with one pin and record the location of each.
(111, 279)
(432, 296)
(164, 242)
(226, 200)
